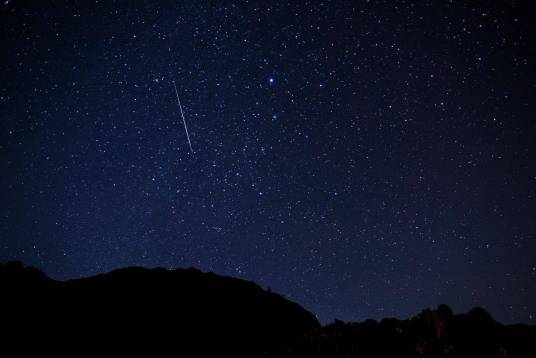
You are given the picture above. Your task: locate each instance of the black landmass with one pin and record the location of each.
(139, 312)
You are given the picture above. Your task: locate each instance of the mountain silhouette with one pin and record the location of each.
(139, 312)
(433, 333)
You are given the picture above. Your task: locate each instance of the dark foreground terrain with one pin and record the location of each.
(137, 312)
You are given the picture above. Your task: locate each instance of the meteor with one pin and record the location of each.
(183, 120)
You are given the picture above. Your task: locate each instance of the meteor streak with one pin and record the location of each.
(183, 120)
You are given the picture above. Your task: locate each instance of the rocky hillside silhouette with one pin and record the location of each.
(433, 333)
(138, 312)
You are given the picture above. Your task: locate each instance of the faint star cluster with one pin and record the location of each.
(362, 158)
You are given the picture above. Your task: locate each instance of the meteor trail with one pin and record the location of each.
(183, 120)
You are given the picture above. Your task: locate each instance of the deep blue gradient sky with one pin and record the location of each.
(363, 158)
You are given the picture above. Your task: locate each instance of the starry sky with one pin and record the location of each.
(363, 158)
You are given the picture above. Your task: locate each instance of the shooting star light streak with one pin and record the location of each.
(182, 115)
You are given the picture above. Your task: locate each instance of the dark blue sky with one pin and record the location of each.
(362, 158)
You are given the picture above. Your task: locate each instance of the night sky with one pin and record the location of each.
(363, 158)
